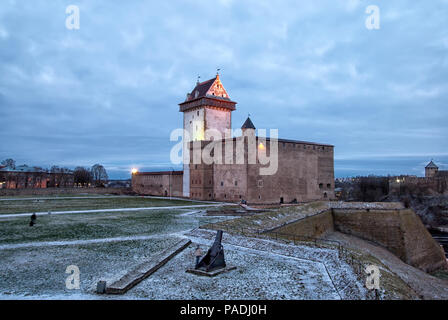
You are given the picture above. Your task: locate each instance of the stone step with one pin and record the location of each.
(145, 269)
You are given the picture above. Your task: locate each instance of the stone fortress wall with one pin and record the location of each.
(397, 229)
(164, 183)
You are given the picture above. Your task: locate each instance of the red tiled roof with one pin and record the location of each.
(201, 88)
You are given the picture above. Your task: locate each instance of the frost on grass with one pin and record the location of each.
(99, 225)
(40, 272)
(340, 273)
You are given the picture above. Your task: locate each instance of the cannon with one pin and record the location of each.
(214, 259)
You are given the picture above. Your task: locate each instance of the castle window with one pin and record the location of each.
(321, 185)
(225, 196)
(222, 183)
(259, 197)
(236, 183)
(328, 185)
(198, 112)
(260, 183)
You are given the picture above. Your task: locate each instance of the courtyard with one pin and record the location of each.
(107, 236)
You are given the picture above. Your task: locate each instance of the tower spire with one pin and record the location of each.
(217, 73)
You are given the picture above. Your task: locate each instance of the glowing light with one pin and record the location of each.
(261, 146)
(134, 171)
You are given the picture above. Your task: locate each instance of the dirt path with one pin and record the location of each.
(64, 198)
(425, 285)
(82, 242)
(16, 215)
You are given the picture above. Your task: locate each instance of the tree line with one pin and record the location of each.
(82, 176)
(366, 189)
(97, 175)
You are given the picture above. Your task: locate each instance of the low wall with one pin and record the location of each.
(315, 226)
(166, 183)
(58, 191)
(400, 231)
(380, 226)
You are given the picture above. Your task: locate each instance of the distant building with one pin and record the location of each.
(162, 183)
(434, 182)
(24, 177)
(305, 169)
(118, 184)
(432, 171)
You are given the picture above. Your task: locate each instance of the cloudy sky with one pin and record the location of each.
(109, 92)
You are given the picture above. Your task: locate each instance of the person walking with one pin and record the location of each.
(33, 219)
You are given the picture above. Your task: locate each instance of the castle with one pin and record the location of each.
(294, 171)
(434, 182)
(432, 171)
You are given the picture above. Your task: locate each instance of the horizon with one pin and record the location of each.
(344, 168)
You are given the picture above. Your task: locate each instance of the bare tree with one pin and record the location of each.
(10, 163)
(99, 175)
(82, 176)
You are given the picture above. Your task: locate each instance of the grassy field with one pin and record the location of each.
(103, 245)
(70, 227)
(55, 204)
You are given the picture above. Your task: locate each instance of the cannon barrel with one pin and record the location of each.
(214, 259)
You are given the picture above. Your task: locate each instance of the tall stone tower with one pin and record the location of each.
(431, 170)
(208, 106)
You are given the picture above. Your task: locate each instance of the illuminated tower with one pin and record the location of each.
(208, 106)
